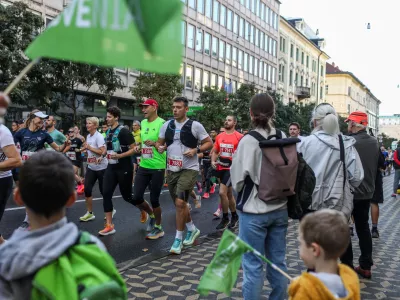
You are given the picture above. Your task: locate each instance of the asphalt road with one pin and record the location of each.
(128, 243)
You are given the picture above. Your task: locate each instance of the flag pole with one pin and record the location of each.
(275, 267)
(21, 75)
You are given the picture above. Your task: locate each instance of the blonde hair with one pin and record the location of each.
(30, 117)
(326, 119)
(93, 120)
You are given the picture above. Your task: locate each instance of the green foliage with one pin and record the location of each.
(239, 104)
(387, 141)
(51, 83)
(160, 87)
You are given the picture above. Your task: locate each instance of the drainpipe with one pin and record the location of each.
(319, 71)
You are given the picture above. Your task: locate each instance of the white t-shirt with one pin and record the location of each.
(6, 139)
(175, 157)
(96, 141)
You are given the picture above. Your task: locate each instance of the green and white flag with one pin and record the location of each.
(139, 34)
(222, 272)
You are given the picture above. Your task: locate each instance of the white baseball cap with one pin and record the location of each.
(41, 115)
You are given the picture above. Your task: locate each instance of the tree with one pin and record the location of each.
(51, 82)
(215, 108)
(161, 87)
(239, 104)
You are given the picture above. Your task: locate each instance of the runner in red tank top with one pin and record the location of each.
(225, 146)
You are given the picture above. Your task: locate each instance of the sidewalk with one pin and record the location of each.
(177, 277)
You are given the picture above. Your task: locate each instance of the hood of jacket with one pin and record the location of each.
(27, 251)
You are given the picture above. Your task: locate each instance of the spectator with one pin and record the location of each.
(321, 151)
(396, 166)
(368, 149)
(263, 226)
(294, 130)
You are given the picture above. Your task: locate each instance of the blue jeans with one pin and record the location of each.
(267, 234)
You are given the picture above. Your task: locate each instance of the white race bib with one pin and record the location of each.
(92, 160)
(71, 155)
(175, 163)
(26, 155)
(111, 161)
(147, 152)
(226, 150)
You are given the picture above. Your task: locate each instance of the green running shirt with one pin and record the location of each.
(150, 158)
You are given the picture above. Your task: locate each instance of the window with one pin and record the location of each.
(234, 57)
(190, 36)
(228, 54)
(221, 82)
(297, 54)
(267, 9)
(221, 50)
(248, 4)
(209, 8)
(222, 16)
(199, 40)
(257, 39)
(260, 69)
(291, 50)
(213, 80)
(253, 7)
(229, 20)
(182, 75)
(200, 6)
(214, 47)
(270, 17)
(306, 82)
(251, 64)
(269, 73)
(273, 75)
(255, 67)
(349, 91)
(265, 71)
(183, 32)
(322, 70)
(262, 12)
(241, 27)
(240, 60)
(321, 93)
(276, 23)
(266, 43)
(126, 107)
(245, 62)
(326, 89)
(307, 61)
(216, 11)
(206, 78)
(192, 3)
(252, 34)
(296, 81)
(207, 41)
(274, 46)
(234, 86)
(197, 80)
(270, 45)
(291, 77)
(235, 23)
(242, 2)
(189, 77)
(257, 8)
(301, 80)
(247, 30)
(282, 44)
(261, 40)
(302, 58)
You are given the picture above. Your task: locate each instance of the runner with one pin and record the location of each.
(32, 139)
(57, 136)
(208, 171)
(9, 160)
(151, 170)
(104, 129)
(77, 132)
(120, 147)
(225, 146)
(73, 152)
(138, 141)
(182, 136)
(97, 164)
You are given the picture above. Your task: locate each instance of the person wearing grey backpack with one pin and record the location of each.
(262, 211)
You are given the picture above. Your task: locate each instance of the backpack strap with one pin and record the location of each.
(277, 135)
(341, 144)
(258, 136)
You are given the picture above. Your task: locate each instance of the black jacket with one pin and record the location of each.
(368, 150)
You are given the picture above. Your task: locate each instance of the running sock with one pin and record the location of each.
(220, 205)
(179, 235)
(374, 226)
(190, 226)
(225, 215)
(26, 218)
(90, 212)
(234, 214)
(158, 226)
(152, 216)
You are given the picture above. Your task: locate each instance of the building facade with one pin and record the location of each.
(229, 42)
(301, 76)
(390, 125)
(347, 93)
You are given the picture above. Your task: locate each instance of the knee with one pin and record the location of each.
(155, 204)
(180, 204)
(136, 200)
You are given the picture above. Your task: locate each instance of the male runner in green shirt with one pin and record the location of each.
(57, 136)
(151, 169)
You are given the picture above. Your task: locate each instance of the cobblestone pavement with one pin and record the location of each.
(177, 277)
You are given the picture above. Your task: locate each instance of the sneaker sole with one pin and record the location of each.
(233, 226)
(175, 252)
(160, 235)
(108, 233)
(193, 239)
(223, 228)
(87, 220)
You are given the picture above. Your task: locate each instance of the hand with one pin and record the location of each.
(161, 149)
(136, 149)
(190, 153)
(115, 156)
(99, 160)
(214, 165)
(84, 147)
(67, 142)
(149, 143)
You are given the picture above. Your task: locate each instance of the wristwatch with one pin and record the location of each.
(198, 150)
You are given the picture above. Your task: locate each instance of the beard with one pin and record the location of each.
(227, 127)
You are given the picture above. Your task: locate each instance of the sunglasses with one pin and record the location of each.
(70, 132)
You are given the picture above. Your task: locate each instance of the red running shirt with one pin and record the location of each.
(225, 145)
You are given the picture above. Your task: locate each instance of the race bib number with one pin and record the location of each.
(26, 155)
(71, 155)
(227, 150)
(138, 160)
(175, 163)
(110, 160)
(91, 160)
(147, 152)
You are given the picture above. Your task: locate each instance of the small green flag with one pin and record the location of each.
(144, 35)
(222, 272)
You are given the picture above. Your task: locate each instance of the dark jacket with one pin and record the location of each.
(368, 150)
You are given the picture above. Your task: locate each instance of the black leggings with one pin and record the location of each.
(112, 178)
(6, 185)
(91, 178)
(208, 172)
(145, 177)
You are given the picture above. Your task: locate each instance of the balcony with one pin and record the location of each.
(303, 92)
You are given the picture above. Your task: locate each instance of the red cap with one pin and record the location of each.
(358, 117)
(151, 102)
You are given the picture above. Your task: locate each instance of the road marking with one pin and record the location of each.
(77, 201)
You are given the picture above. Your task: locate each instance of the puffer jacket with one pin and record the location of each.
(322, 153)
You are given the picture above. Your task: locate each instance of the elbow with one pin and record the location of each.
(17, 162)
